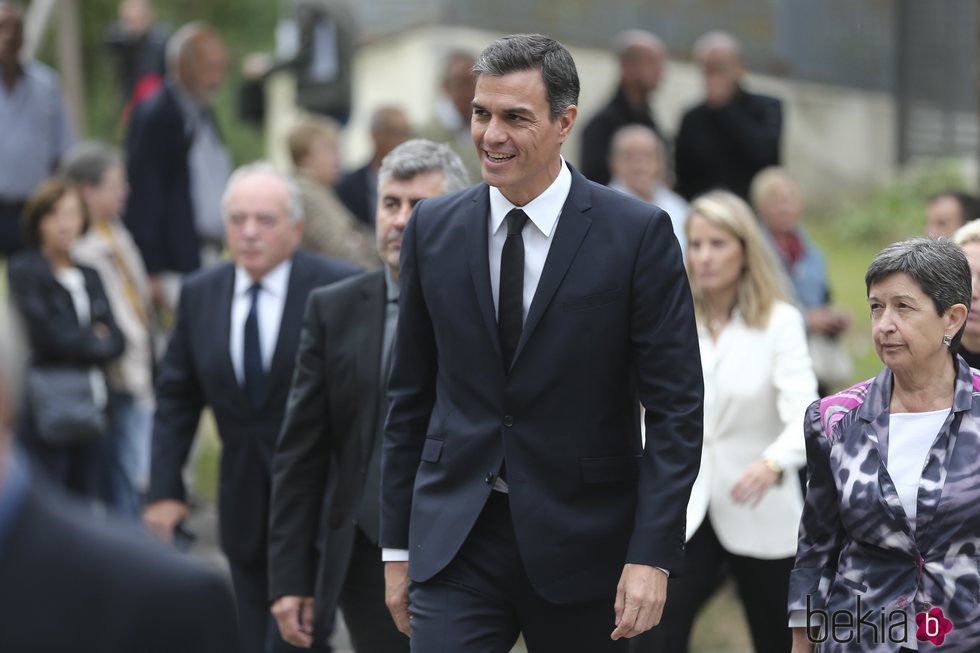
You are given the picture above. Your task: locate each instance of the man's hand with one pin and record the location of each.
(294, 616)
(640, 598)
(801, 644)
(162, 517)
(396, 595)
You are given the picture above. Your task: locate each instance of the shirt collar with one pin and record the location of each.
(543, 210)
(275, 282)
(391, 286)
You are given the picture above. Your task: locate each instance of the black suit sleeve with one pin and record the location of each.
(595, 149)
(411, 393)
(299, 467)
(180, 400)
(671, 389)
(754, 128)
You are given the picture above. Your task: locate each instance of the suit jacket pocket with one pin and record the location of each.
(592, 301)
(614, 469)
(432, 450)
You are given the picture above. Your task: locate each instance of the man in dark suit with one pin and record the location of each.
(177, 163)
(233, 349)
(335, 412)
(537, 313)
(724, 141)
(358, 189)
(73, 583)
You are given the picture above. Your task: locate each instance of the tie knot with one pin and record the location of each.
(253, 291)
(516, 220)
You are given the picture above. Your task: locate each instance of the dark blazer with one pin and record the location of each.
(725, 147)
(599, 133)
(197, 372)
(71, 583)
(856, 540)
(335, 412)
(49, 315)
(611, 324)
(159, 212)
(354, 190)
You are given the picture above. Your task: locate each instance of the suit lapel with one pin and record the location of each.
(478, 254)
(297, 292)
(573, 225)
(368, 341)
(222, 335)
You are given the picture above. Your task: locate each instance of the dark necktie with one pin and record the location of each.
(510, 312)
(252, 354)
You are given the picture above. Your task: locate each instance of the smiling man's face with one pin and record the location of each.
(518, 143)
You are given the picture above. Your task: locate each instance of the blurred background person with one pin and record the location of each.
(233, 349)
(177, 164)
(733, 134)
(72, 582)
(780, 202)
(642, 60)
(450, 122)
(638, 164)
(328, 227)
(358, 189)
(69, 322)
(35, 131)
(97, 170)
(137, 46)
(948, 211)
(744, 510)
(968, 237)
(891, 514)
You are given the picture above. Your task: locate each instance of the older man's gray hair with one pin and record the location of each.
(419, 156)
(520, 52)
(264, 168)
(87, 162)
(938, 266)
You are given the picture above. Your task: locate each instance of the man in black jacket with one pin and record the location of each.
(724, 141)
(233, 349)
(336, 410)
(72, 583)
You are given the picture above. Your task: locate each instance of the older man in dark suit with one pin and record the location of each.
(73, 583)
(538, 312)
(336, 410)
(233, 349)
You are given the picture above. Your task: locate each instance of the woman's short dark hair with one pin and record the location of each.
(938, 266)
(41, 204)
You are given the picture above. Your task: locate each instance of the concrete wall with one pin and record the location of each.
(838, 141)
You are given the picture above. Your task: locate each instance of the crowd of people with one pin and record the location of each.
(544, 396)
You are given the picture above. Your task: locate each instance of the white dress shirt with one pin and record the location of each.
(271, 300)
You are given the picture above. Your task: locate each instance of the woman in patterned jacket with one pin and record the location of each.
(890, 533)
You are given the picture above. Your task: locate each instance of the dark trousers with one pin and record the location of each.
(483, 600)
(11, 233)
(256, 625)
(763, 586)
(362, 600)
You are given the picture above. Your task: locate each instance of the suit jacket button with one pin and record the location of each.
(508, 421)
(488, 479)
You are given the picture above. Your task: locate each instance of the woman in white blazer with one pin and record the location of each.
(745, 507)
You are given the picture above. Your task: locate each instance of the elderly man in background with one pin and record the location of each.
(733, 134)
(233, 348)
(73, 583)
(34, 129)
(450, 123)
(329, 228)
(358, 190)
(948, 211)
(178, 164)
(642, 59)
(638, 164)
(336, 412)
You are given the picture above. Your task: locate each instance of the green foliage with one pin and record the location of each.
(897, 211)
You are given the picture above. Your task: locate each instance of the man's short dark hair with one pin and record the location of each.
(969, 204)
(520, 52)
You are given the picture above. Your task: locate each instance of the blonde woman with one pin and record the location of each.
(745, 507)
(968, 238)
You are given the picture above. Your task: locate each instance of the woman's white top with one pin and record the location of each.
(73, 281)
(758, 383)
(910, 436)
